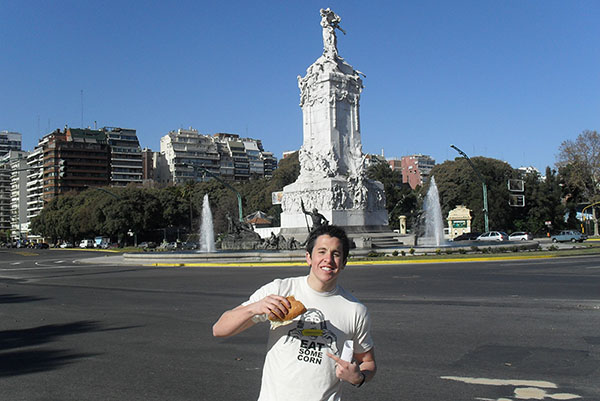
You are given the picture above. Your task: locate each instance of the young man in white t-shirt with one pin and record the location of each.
(303, 358)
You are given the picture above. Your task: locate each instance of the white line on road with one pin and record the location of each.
(36, 268)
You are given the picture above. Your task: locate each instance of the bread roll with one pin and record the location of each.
(296, 309)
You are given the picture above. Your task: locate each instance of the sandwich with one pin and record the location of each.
(295, 310)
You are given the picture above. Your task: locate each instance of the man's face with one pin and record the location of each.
(326, 262)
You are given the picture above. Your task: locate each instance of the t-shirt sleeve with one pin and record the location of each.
(267, 289)
(362, 339)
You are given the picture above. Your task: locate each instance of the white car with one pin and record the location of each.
(87, 243)
(520, 236)
(493, 236)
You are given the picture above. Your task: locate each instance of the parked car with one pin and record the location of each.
(569, 235)
(41, 245)
(66, 245)
(147, 245)
(493, 236)
(520, 236)
(190, 245)
(467, 237)
(87, 243)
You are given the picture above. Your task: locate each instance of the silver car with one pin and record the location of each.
(520, 236)
(493, 236)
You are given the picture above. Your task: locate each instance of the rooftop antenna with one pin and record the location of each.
(82, 108)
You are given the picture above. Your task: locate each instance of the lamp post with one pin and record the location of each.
(216, 177)
(485, 202)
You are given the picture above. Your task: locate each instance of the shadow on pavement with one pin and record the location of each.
(31, 361)
(14, 298)
(36, 360)
(39, 335)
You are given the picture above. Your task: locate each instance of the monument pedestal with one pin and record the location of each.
(351, 203)
(332, 166)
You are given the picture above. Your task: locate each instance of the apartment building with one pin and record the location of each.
(74, 160)
(9, 141)
(35, 183)
(18, 192)
(125, 156)
(185, 150)
(225, 155)
(155, 168)
(416, 169)
(12, 199)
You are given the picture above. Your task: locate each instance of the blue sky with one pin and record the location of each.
(504, 79)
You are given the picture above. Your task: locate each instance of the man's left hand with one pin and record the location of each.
(347, 371)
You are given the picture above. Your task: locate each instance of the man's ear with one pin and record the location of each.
(308, 259)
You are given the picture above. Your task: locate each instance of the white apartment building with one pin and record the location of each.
(224, 155)
(185, 149)
(35, 184)
(13, 203)
(18, 194)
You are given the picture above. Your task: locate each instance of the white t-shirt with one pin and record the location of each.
(297, 367)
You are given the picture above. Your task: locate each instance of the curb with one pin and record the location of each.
(352, 263)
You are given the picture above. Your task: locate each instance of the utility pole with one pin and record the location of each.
(485, 202)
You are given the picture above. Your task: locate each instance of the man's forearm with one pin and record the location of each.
(233, 322)
(368, 369)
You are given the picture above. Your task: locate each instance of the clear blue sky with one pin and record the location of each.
(504, 79)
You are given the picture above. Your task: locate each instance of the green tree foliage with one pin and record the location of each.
(257, 194)
(542, 204)
(150, 212)
(459, 185)
(400, 198)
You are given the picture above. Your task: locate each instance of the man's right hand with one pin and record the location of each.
(272, 306)
(236, 320)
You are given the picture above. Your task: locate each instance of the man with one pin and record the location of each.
(303, 358)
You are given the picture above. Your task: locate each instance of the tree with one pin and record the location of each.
(579, 165)
(542, 204)
(400, 198)
(257, 194)
(459, 185)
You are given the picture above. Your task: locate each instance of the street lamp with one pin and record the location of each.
(216, 177)
(485, 203)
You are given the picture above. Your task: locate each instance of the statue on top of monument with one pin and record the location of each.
(330, 21)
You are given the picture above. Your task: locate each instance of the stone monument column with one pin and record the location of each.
(332, 166)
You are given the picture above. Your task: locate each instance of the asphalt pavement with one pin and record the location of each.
(502, 330)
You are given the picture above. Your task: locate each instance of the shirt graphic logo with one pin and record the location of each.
(314, 337)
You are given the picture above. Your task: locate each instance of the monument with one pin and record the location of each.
(332, 166)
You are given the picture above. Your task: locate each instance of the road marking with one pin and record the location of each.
(500, 382)
(524, 389)
(16, 263)
(36, 268)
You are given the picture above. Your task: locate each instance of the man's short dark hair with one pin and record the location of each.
(332, 231)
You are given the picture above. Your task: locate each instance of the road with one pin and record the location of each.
(508, 330)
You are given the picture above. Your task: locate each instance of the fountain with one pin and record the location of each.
(207, 235)
(432, 218)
